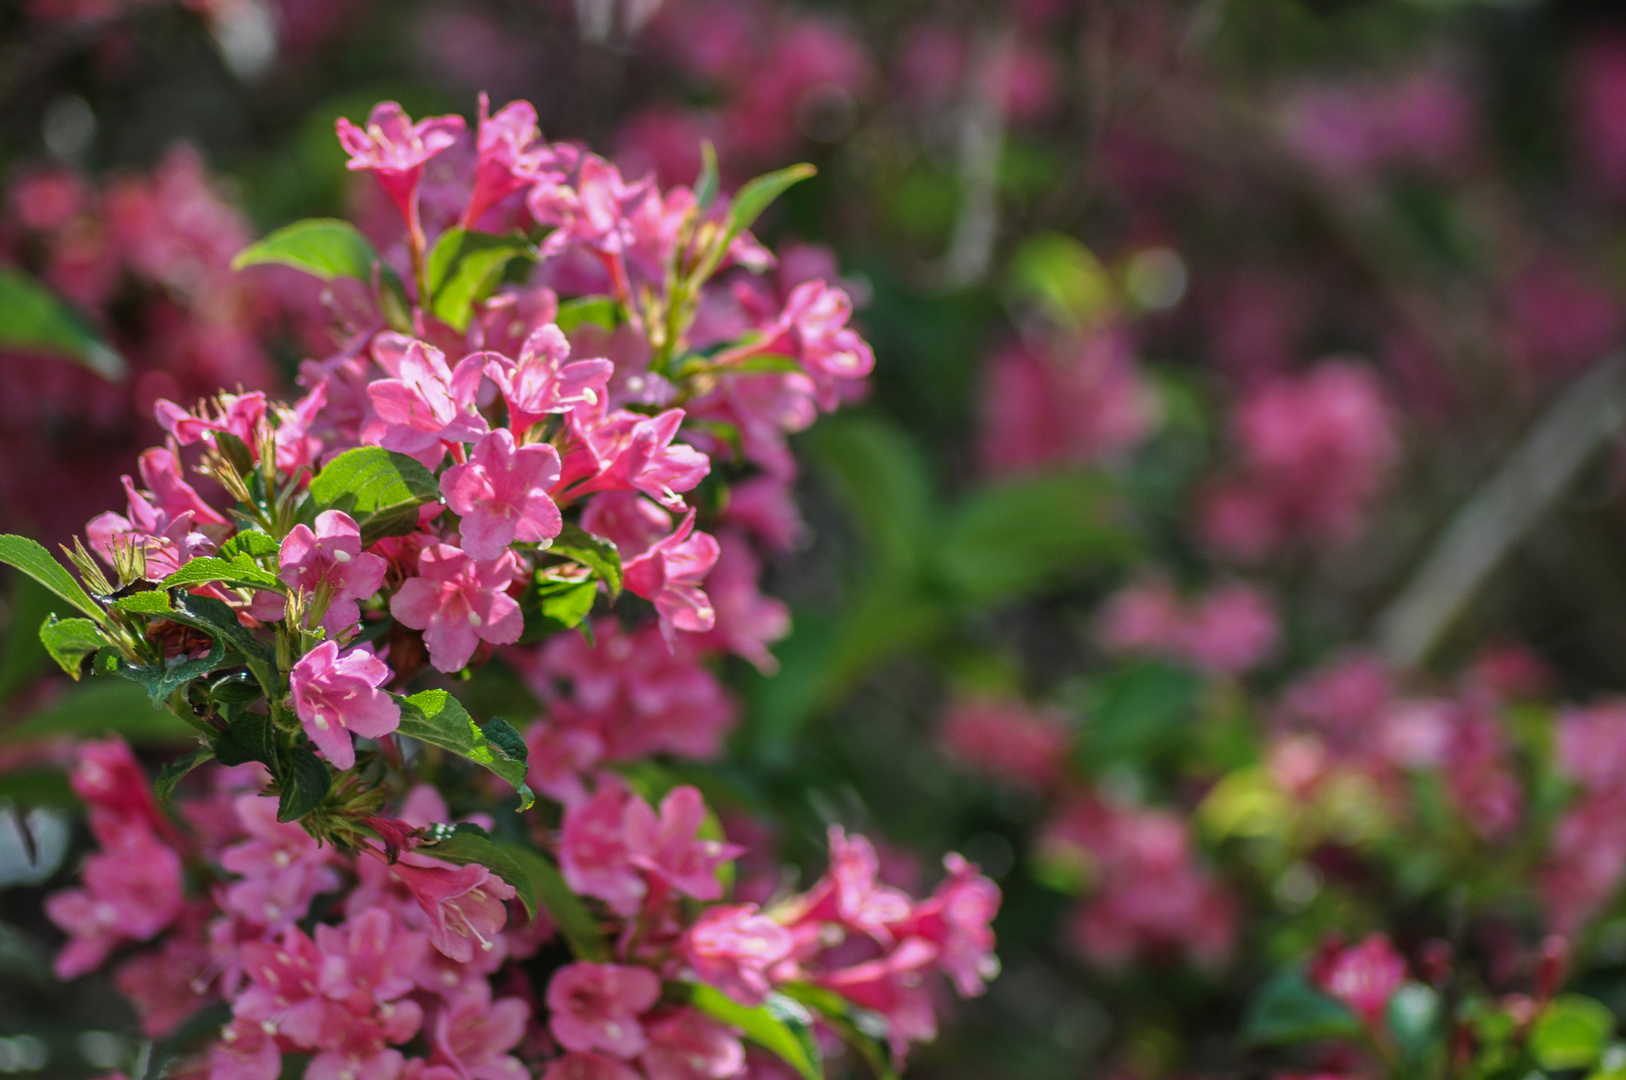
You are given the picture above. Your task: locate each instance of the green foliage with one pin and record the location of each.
(579, 928)
(757, 195)
(160, 681)
(600, 311)
(174, 772)
(781, 1026)
(101, 707)
(31, 558)
(1572, 1033)
(324, 247)
(32, 319)
(379, 488)
(598, 555)
(465, 843)
(1289, 1010)
(303, 780)
(239, 572)
(70, 641)
(436, 718)
(464, 267)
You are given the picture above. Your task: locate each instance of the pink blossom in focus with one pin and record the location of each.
(671, 572)
(512, 156)
(427, 405)
(541, 382)
(395, 150)
(335, 696)
(464, 905)
(501, 492)
(475, 1034)
(458, 602)
(330, 561)
(596, 1007)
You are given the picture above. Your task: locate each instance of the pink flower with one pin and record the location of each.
(1007, 740)
(595, 854)
(814, 323)
(733, 948)
(1229, 630)
(394, 150)
(330, 562)
(592, 211)
(596, 1007)
(670, 573)
(512, 156)
(628, 450)
(1363, 976)
(956, 919)
(893, 986)
(458, 602)
(540, 382)
(670, 848)
(368, 961)
(689, 1045)
(427, 405)
(132, 890)
(558, 758)
(109, 780)
(336, 695)
(502, 494)
(464, 905)
(235, 414)
(244, 1052)
(746, 621)
(476, 1034)
(851, 894)
(589, 1067)
(282, 867)
(161, 472)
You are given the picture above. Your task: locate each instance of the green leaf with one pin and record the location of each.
(380, 489)
(162, 681)
(1013, 539)
(782, 1026)
(437, 718)
(469, 844)
(32, 559)
(705, 186)
(325, 247)
(883, 478)
(1063, 278)
(600, 311)
(152, 602)
(1140, 712)
(1413, 1018)
(249, 738)
(760, 364)
(22, 655)
(37, 787)
(104, 707)
(464, 267)
(305, 779)
(756, 195)
(861, 1029)
(33, 319)
(69, 641)
(219, 621)
(554, 604)
(574, 921)
(1289, 1010)
(171, 774)
(240, 572)
(1571, 1033)
(598, 555)
(254, 544)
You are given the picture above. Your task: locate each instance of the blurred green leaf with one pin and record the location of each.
(22, 654)
(1414, 1020)
(575, 923)
(782, 1026)
(104, 707)
(1063, 278)
(884, 481)
(33, 319)
(1571, 1033)
(324, 247)
(599, 311)
(757, 195)
(1289, 1010)
(1136, 712)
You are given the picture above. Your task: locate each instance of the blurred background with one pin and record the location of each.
(1233, 527)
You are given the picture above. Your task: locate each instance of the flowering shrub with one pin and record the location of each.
(363, 874)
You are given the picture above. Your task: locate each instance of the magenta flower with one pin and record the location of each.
(956, 919)
(689, 1045)
(368, 961)
(502, 494)
(589, 1067)
(540, 382)
(235, 414)
(670, 573)
(330, 562)
(282, 867)
(593, 211)
(670, 848)
(512, 156)
(334, 696)
(746, 621)
(733, 948)
(815, 323)
(475, 1034)
(427, 405)
(161, 472)
(893, 986)
(1363, 976)
(596, 1007)
(464, 905)
(594, 854)
(458, 602)
(394, 150)
(851, 894)
(629, 450)
(132, 890)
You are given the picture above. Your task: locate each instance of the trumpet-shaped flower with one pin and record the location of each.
(502, 494)
(330, 559)
(458, 602)
(394, 150)
(596, 1007)
(334, 696)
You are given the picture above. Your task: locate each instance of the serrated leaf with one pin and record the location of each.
(254, 544)
(380, 489)
(464, 267)
(1289, 1010)
(32, 559)
(581, 931)
(782, 1026)
(104, 707)
(324, 247)
(469, 844)
(240, 572)
(69, 641)
(33, 319)
(600, 311)
(172, 774)
(595, 553)
(437, 718)
(217, 619)
(304, 779)
(250, 737)
(152, 602)
(756, 195)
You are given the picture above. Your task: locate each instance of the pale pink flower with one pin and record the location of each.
(627, 519)
(670, 848)
(766, 507)
(559, 756)
(458, 602)
(169, 542)
(575, 1066)
(426, 405)
(475, 1034)
(110, 781)
(1363, 976)
(689, 1045)
(161, 472)
(368, 961)
(394, 150)
(596, 1007)
(629, 450)
(464, 905)
(169, 985)
(1232, 629)
(334, 696)
(244, 1052)
(512, 156)
(594, 851)
(329, 561)
(851, 894)
(540, 382)
(671, 572)
(132, 890)
(733, 948)
(501, 492)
